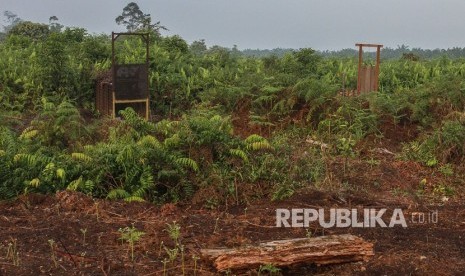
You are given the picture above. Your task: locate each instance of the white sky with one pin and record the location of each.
(266, 24)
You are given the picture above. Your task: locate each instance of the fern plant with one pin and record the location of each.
(57, 125)
(25, 167)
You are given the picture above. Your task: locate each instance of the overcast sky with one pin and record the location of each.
(266, 24)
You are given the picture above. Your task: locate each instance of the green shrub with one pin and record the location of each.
(446, 144)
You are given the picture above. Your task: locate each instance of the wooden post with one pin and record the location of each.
(147, 109)
(113, 112)
(360, 61)
(147, 61)
(378, 51)
(113, 73)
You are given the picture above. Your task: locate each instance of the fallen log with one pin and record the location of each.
(323, 250)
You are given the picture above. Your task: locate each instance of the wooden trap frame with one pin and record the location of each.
(368, 75)
(129, 85)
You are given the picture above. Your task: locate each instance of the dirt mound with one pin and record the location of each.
(73, 201)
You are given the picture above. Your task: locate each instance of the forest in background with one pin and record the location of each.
(386, 53)
(222, 121)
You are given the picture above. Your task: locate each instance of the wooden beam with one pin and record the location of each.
(369, 45)
(323, 250)
(132, 101)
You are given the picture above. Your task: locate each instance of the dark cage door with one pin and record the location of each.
(131, 81)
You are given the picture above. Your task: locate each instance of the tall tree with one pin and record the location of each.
(12, 19)
(198, 47)
(54, 25)
(135, 20)
(35, 31)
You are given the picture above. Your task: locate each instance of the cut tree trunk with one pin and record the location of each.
(323, 250)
